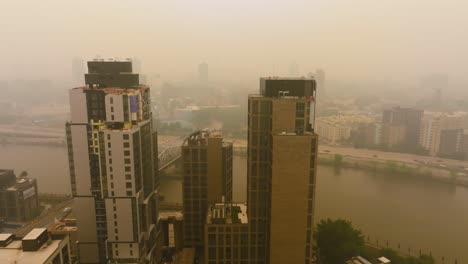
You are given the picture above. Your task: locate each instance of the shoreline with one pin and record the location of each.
(426, 171)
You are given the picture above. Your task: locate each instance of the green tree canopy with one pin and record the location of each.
(338, 241)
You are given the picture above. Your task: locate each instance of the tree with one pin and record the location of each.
(338, 159)
(338, 241)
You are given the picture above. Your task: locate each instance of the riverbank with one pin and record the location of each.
(447, 171)
(441, 174)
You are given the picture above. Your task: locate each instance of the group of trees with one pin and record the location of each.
(338, 241)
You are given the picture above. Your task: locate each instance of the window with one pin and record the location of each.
(110, 161)
(127, 161)
(126, 137)
(111, 100)
(128, 169)
(126, 145)
(300, 108)
(108, 144)
(129, 193)
(112, 117)
(203, 156)
(112, 109)
(110, 153)
(128, 176)
(108, 136)
(127, 152)
(128, 185)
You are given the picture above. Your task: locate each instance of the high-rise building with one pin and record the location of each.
(282, 155)
(78, 71)
(408, 119)
(203, 72)
(432, 130)
(451, 142)
(207, 174)
(437, 83)
(18, 197)
(320, 77)
(113, 161)
(294, 69)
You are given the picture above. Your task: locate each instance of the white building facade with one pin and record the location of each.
(113, 166)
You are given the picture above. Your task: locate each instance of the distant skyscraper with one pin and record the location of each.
(433, 134)
(112, 149)
(203, 72)
(207, 178)
(78, 71)
(294, 70)
(136, 64)
(437, 83)
(406, 119)
(320, 78)
(282, 158)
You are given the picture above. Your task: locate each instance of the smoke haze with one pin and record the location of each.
(352, 40)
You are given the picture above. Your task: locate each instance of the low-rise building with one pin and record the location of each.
(336, 128)
(226, 234)
(18, 197)
(38, 247)
(67, 227)
(432, 126)
(451, 142)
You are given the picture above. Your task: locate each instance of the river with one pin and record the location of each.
(414, 213)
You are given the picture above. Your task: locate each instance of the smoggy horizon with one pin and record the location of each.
(359, 41)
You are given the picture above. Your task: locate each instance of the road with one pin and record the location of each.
(399, 157)
(46, 220)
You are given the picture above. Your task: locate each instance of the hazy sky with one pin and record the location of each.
(374, 39)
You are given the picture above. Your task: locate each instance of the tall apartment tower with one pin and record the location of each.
(207, 179)
(203, 72)
(408, 119)
(113, 161)
(282, 155)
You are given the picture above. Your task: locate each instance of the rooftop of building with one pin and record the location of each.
(116, 90)
(288, 87)
(287, 78)
(200, 138)
(305, 133)
(358, 260)
(21, 183)
(66, 225)
(165, 215)
(4, 172)
(226, 213)
(348, 119)
(13, 251)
